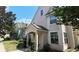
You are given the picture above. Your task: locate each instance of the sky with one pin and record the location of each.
(23, 13)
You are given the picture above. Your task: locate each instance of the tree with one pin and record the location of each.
(68, 15)
(6, 21)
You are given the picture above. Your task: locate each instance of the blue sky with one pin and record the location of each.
(23, 13)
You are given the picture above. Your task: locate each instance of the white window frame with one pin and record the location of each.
(54, 38)
(65, 38)
(52, 19)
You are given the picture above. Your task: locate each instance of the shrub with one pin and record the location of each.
(5, 39)
(46, 47)
(23, 43)
(17, 38)
(20, 40)
(77, 47)
(29, 42)
(20, 45)
(2, 36)
(32, 46)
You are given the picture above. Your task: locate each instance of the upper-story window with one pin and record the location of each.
(52, 19)
(42, 12)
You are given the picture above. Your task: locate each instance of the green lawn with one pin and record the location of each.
(10, 45)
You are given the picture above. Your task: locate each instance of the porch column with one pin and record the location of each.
(36, 37)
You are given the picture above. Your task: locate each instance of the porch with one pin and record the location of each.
(37, 35)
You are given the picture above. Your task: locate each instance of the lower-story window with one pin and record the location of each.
(54, 37)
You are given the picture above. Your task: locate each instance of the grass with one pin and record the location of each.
(72, 50)
(10, 45)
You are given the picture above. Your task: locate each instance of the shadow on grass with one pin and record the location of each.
(51, 50)
(22, 47)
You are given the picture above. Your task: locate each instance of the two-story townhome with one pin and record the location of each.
(43, 29)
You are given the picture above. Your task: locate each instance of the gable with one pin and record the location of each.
(40, 16)
(31, 28)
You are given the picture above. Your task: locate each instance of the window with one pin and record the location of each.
(41, 12)
(54, 37)
(65, 38)
(52, 19)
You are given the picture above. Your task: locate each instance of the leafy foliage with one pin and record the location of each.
(6, 21)
(32, 46)
(47, 47)
(68, 15)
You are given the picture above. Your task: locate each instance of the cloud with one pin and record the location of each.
(23, 20)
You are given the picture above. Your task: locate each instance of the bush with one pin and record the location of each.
(17, 38)
(20, 45)
(5, 39)
(20, 40)
(77, 47)
(32, 46)
(2, 36)
(46, 47)
(23, 43)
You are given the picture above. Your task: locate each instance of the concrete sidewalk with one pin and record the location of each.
(16, 51)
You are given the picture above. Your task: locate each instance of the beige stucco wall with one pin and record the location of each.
(61, 45)
(76, 37)
(41, 20)
(42, 35)
(60, 29)
(70, 34)
(45, 21)
(42, 39)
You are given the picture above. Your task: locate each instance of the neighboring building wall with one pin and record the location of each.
(76, 37)
(70, 34)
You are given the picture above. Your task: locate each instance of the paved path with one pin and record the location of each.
(2, 49)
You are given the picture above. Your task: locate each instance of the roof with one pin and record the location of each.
(39, 27)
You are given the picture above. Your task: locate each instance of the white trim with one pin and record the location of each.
(36, 37)
(50, 37)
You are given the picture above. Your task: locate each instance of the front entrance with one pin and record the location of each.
(37, 34)
(31, 38)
